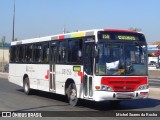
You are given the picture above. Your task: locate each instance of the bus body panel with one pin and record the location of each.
(35, 72)
(64, 73)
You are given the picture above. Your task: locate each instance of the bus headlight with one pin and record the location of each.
(143, 87)
(106, 88)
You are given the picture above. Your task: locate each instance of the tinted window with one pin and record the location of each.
(45, 52)
(62, 52)
(28, 53)
(12, 54)
(37, 52)
(19, 53)
(75, 51)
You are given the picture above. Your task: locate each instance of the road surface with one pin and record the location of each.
(12, 98)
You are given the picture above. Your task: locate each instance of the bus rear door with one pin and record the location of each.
(53, 58)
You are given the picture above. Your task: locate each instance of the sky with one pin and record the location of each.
(37, 18)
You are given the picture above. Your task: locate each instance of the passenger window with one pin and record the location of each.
(28, 53)
(62, 52)
(45, 52)
(75, 51)
(37, 53)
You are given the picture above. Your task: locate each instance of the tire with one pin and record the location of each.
(26, 86)
(72, 94)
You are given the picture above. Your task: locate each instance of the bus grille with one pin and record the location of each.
(124, 84)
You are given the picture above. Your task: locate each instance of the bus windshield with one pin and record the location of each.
(121, 59)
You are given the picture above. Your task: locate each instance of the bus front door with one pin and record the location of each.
(53, 55)
(88, 70)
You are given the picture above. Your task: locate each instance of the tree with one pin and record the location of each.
(16, 39)
(3, 40)
(135, 29)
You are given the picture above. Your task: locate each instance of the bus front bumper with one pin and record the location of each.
(105, 95)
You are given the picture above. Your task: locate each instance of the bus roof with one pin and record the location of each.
(67, 35)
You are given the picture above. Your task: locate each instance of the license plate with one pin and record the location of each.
(125, 95)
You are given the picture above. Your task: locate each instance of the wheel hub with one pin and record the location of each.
(26, 87)
(73, 94)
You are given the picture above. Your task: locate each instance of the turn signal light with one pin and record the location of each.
(97, 87)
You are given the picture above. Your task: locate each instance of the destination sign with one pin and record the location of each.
(125, 37)
(102, 35)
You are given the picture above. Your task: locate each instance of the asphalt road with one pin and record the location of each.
(12, 98)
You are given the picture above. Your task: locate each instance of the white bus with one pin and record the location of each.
(97, 65)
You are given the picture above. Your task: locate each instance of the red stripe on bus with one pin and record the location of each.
(118, 30)
(81, 75)
(61, 37)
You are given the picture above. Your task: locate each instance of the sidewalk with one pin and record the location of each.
(154, 93)
(3, 75)
(154, 74)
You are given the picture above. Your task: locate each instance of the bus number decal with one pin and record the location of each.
(66, 72)
(106, 36)
(77, 68)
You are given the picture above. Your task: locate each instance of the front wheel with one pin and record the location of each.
(72, 94)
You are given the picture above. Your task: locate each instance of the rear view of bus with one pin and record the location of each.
(120, 66)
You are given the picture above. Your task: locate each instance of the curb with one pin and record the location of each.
(3, 73)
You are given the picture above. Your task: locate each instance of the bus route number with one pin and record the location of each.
(106, 36)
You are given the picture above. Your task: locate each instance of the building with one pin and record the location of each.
(4, 54)
(154, 52)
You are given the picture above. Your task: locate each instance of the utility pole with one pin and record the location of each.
(3, 42)
(13, 20)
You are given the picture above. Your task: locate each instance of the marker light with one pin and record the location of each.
(97, 87)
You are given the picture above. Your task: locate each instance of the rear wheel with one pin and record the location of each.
(26, 86)
(72, 94)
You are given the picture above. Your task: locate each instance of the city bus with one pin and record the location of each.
(96, 65)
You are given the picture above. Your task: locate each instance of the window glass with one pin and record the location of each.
(37, 52)
(62, 52)
(28, 53)
(121, 59)
(19, 53)
(12, 54)
(75, 51)
(45, 52)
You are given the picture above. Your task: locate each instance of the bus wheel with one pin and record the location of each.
(26, 86)
(72, 94)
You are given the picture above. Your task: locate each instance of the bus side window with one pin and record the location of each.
(75, 51)
(62, 52)
(13, 54)
(19, 56)
(37, 49)
(45, 52)
(28, 53)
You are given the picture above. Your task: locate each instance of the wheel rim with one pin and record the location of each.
(73, 95)
(26, 87)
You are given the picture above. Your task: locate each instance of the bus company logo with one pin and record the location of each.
(6, 114)
(124, 88)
